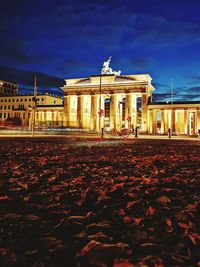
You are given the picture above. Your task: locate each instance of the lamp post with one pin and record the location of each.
(34, 108)
(100, 109)
(120, 107)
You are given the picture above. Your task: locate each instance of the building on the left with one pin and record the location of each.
(7, 88)
(16, 109)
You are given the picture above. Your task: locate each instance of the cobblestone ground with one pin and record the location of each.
(79, 202)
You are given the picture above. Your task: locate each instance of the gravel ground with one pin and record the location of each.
(78, 202)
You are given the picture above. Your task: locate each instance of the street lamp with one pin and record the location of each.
(101, 111)
(34, 108)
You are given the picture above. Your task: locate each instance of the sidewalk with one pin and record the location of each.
(90, 135)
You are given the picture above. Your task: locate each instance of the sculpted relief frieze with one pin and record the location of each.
(105, 90)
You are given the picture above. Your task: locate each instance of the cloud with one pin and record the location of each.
(179, 94)
(177, 98)
(160, 97)
(142, 62)
(194, 90)
(13, 48)
(160, 85)
(25, 80)
(159, 31)
(68, 38)
(193, 79)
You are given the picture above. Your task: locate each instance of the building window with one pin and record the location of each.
(4, 107)
(5, 100)
(17, 100)
(107, 109)
(0, 115)
(13, 100)
(8, 115)
(4, 116)
(25, 99)
(8, 107)
(8, 100)
(21, 106)
(21, 99)
(24, 115)
(42, 99)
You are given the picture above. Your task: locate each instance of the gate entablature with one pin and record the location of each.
(140, 83)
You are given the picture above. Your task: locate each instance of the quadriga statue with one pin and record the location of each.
(107, 70)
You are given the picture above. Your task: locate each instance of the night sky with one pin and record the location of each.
(67, 39)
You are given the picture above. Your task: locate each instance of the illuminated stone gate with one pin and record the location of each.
(85, 98)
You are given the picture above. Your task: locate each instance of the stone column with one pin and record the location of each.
(86, 111)
(134, 115)
(80, 111)
(173, 120)
(45, 117)
(67, 109)
(94, 117)
(189, 122)
(162, 121)
(154, 121)
(144, 112)
(198, 120)
(102, 107)
(113, 111)
(41, 118)
(150, 120)
(186, 122)
(165, 121)
(176, 122)
(53, 117)
(120, 110)
(128, 110)
(56, 117)
(61, 115)
(194, 122)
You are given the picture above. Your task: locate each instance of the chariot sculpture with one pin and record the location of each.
(106, 70)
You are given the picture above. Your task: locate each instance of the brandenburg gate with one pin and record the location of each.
(109, 99)
(123, 101)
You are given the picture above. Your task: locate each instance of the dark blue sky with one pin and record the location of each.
(69, 39)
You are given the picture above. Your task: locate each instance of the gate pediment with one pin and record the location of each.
(84, 81)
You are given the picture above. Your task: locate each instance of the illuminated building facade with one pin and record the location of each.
(49, 109)
(117, 99)
(107, 100)
(7, 88)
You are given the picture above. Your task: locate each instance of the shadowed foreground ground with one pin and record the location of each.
(69, 202)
